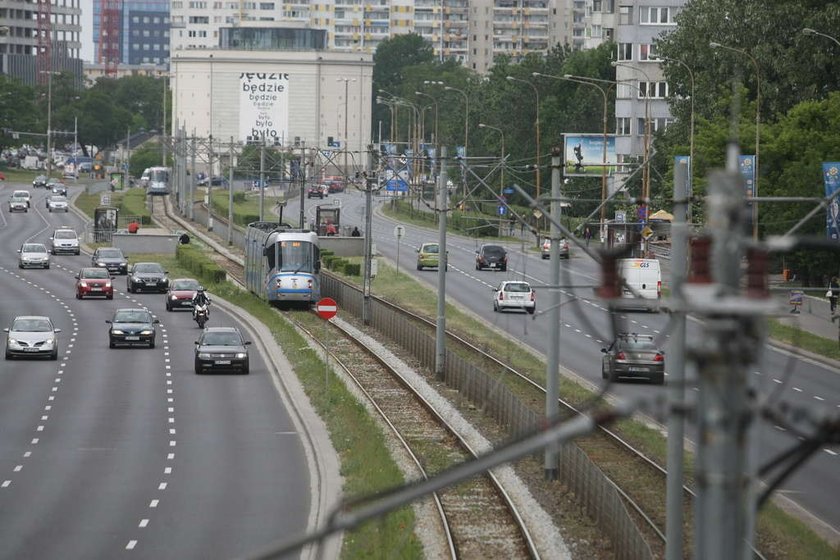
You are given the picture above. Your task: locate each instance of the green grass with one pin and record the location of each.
(807, 341)
(246, 205)
(131, 203)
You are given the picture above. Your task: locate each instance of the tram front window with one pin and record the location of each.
(295, 256)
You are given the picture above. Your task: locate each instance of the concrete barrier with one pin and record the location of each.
(146, 242)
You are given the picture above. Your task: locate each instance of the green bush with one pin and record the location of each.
(338, 265)
(353, 269)
(238, 197)
(194, 260)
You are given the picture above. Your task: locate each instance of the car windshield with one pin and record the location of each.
(95, 273)
(21, 194)
(132, 316)
(34, 248)
(494, 251)
(58, 199)
(221, 339)
(185, 285)
(110, 253)
(518, 287)
(430, 249)
(32, 325)
(65, 235)
(148, 267)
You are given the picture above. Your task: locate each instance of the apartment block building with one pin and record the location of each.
(144, 33)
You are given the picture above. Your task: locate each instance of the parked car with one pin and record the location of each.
(563, 247)
(147, 276)
(19, 202)
(314, 190)
(131, 326)
(94, 281)
(215, 181)
(514, 294)
(221, 349)
(493, 257)
(110, 258)
(180, 293)
(633, 356)
(33, 255)
(32, 336)
(64, 240)
(57, 203)
(428, 256)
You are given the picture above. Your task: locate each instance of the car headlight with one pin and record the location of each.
(135, 278)
(49, 343)
(100, 263)
(241, 355)
(107, 284)
(13, 343)
(83, 284)
(117, 331)
(147, 331)
(204, 355)
(173, 297)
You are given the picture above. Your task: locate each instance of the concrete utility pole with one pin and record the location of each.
(370, 182)
(443, 263)
(676, 369)
(191, 195)
(732, 341)
(302, 169)
(230, 197)
(552, 377)
(262, 177)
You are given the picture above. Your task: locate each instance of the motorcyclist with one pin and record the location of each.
(201, 298)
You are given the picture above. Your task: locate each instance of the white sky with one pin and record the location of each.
(87, 53)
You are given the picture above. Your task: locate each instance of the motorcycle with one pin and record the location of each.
(201, 315)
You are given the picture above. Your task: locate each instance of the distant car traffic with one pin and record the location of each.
(428, 256)
(633, 356)
(215, 181)
(32, 336)
(132, 326)
(59, 188)
(562, 247)
(514, 294)
(94, 281)
(110, 258)
(40, 181)
(314, 190)
(57, 203)
(144, 276)
(493, 257)
(180, 293)
(65, 240)
(33, 255)
(221, 349)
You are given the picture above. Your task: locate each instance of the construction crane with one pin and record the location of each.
(43, 56)
(110, 23)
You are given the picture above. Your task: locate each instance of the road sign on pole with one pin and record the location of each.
(327, 308)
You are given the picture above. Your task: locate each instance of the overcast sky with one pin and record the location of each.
(87, 30)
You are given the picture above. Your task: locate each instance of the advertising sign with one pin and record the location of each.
(687, 159)
(584, 155)
(746, 165)
(831, 177)
(263, 106)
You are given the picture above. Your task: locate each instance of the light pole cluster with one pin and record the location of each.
(537, 124)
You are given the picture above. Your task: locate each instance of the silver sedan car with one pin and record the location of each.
(32, 336)
(33, 255)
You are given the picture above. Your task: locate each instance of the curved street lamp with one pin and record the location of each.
(809, 31)
(537, 94)
(502, 161)
(715, 45)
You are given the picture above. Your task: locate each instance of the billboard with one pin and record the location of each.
(584, 155)
(264, 106)
(831, 177)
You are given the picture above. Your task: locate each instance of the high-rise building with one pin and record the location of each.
(144, 33)
(19, 39)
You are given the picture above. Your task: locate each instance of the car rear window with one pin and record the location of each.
(494, 251)
(517, 287)
(637, 344)
(430, 249)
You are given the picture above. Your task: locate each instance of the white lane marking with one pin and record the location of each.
(171, 409)
(18, 468)
(154, 503)
(27, 454)
(39, 429)
(170, 399)
(143, 523)
(162, 486)
(819, 398)
(780, 428)
(172, 431)
(170, 457)
(35, 441)
(172, 443)
(6, 483)
(830, 452)
(797, 389)
(171, 420)
(779, 381)
(45, 417)
(167, 470)
(131, 544)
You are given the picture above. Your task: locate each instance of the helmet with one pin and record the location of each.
(200, 289)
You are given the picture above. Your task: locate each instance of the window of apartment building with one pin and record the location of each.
(625, 15)
(624, 90)
(647, 52)
(135, 33)
(145, 19)
(655, 124)
(177, 5)
(198, 5)
(622, 126)
(596, 31)
(266, 5)
(625, 51)
(135, 19)
(653, 90)
(654, 15)
(146, 33)
(199, 19)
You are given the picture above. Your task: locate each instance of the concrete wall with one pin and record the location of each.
(133, 243)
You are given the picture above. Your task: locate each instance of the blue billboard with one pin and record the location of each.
(831, 178)
(584, 155)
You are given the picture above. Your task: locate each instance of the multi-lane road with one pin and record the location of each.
(110, 453)
(585, 328)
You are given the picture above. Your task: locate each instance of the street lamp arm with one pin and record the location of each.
(809, 31)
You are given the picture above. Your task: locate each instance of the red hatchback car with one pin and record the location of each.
(94, 282)
(180, 294)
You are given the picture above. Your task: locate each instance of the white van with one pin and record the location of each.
(645, 277)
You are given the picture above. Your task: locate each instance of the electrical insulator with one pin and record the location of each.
(700, 266)
(757, 274)
(610, 282)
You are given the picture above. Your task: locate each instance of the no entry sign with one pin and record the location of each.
(326, 308)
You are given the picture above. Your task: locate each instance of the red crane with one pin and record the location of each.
(110, 23)
(43, 54)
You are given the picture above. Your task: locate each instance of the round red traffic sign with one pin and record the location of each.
(326, 308)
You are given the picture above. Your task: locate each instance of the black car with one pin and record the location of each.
(132, 326)
(633, 356)
(40, 181)
(221, 349)
(147, 276)
(493, 257)
(111, 258)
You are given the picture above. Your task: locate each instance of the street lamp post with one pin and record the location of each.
(466, 131)
(537, 94)
(586, 81)
(434, 102)
(501, 171)
(346, 142)
(809, 31)
(757, 126)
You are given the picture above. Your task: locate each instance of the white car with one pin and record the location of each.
(57, 203)
(31, 336)
(33, 255)
(19, 201)
(65, 240)
(514, 294)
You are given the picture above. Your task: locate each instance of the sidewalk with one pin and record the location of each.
(814, 314)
